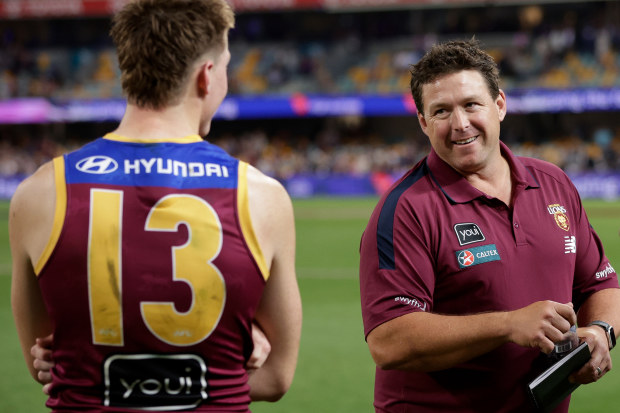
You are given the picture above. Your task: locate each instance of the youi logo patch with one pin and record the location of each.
(98, 164)
(468, 233)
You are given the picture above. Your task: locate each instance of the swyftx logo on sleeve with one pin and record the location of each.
(155, 382)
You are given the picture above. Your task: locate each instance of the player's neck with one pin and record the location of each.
(170, 122)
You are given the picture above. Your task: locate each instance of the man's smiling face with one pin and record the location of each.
(462, 120)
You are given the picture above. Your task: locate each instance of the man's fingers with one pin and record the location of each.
(546, 345)
(40, 353)
(262, 348)
(600, 361)
(42, 349)
(589, 373)
(42, 365)
(45, 377)
(568, 314)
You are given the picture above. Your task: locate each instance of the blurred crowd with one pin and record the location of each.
(323, 147)
(572, 44)
(555, 45)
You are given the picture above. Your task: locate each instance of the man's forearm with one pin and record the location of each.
(431, 342)
(603, 305)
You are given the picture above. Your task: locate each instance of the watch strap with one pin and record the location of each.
(609, 331)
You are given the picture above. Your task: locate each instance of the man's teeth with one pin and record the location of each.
(466, 141)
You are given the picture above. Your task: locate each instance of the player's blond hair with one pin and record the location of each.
(159, 41)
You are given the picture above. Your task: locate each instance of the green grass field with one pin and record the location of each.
(335, 371)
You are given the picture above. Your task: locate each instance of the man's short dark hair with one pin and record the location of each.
(451, 57)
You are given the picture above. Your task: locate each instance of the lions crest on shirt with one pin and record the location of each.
(559, 214)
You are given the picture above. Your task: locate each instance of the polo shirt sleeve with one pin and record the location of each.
(397, 274)
(593, 271)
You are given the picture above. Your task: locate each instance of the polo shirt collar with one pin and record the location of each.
(456, 188)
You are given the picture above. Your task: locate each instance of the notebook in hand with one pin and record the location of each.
(552, 386)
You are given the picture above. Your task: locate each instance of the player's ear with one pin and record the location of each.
(203, 79)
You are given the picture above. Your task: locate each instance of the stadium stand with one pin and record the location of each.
(551, 46)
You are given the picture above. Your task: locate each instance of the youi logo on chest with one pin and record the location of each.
(468, 233)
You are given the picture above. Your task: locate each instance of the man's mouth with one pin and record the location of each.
(465, 141)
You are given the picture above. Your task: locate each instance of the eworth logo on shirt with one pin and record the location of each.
(477, 255)
(468, 233)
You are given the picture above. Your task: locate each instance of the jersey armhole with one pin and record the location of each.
(245, 220)
(59, 213)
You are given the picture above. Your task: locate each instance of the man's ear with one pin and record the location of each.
(422, 121)
(203, 80)
(501, 105)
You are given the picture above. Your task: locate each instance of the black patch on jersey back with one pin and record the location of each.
(155, 382)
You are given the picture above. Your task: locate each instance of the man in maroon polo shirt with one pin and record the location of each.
(477, 261)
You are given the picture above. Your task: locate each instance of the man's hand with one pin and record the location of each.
(261, 351)
(541, 324)
(43, 362)
(600, 360)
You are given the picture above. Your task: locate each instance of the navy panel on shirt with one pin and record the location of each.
(385, 228)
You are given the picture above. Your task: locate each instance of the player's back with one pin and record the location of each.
(152, 277)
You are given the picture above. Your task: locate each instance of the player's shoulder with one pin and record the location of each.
(412, 187)
(542, 169)
(266, 186)
(36, 185)
(34, 195)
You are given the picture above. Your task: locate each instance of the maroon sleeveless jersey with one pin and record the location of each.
(151, 277)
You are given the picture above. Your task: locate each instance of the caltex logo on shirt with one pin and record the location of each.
(466, 258)
(478, 255)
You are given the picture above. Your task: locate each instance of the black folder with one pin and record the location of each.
(551, 387)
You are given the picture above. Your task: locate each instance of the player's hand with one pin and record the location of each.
(43, 362)
(600, 357)
(262, 348)
(541, 324)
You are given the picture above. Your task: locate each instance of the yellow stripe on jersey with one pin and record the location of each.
(59, 213)
(186, 139)
(104, 266)
(243, 207)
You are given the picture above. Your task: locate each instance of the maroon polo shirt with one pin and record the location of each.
(435, 243)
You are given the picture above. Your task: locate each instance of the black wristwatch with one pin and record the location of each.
(609, 330)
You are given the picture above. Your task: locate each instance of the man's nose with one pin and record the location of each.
(460, 119)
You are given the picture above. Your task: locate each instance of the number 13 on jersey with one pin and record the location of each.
(192, 264)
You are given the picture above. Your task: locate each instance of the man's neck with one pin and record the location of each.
(495, 181)
(170, 122)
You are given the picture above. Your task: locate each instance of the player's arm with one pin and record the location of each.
(279, 312)
(603, 305)
(30, 222)
(423, 341)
